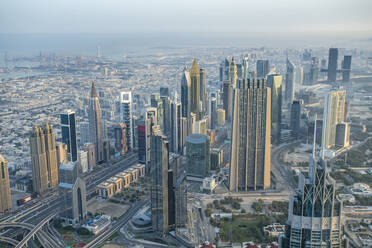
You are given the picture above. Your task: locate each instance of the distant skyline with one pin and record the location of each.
(341, 18)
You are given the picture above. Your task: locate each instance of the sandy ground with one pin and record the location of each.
(107, 207)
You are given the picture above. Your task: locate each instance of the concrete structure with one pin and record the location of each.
(5, 197)
(250, 164)
(198, 155)
(126, 111)
(73, 191)
(68, 130)
(95, 128)
(44, 159)
(98, 224)
(274, 81)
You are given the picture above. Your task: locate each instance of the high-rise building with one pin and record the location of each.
(43, 158)
(195, 89)
(106, 150)
(95, 129)
(141, 137)
(332, 64)
(221, 117)
(233, 74)
(120, 133)
(83, 161)
(159, 183)
(274, 81)
(164, 91)
(126, 115)
(203, 90)
(342, 134)
(314, 213)
(91, 153)
(61, 152)
(186, 93)
(166, 127)
(198, 155)
(251, 130)
(151, 123)
(290, 79)
(84, 133)
(334, 113)
(73, 191)
(176, 127)
(346, 68)
(262, 68)
(227, 99)
(5, 197)
(68, 128)
(295, 121)
(213, 111)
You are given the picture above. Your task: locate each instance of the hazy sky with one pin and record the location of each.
(342, 17)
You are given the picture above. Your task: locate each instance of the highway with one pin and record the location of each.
(34, 212)
(102, 237)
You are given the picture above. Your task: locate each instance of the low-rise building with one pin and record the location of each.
(274, 230)
(98, 224)
(105, 190)
(209, 184)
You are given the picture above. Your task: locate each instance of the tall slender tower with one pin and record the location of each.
(68, 127)
(126, 110)
(262, 68)
(195, 89)
(159, 183)
(5, 197)
(274, 81)
(95, 129)
(186, 93)
(43, 158)
(251, 131)
(203, 90)
(290, 79)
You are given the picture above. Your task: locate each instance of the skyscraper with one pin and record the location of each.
(5, 197)
(346, 68)
(159, 183)
(151, 123)
(290, 79)
(274, 81)
(195, 89)
(213, 111)
(314, 213)
(227, 99)
(262, 68)
(126, 115)
(233, 76)
(251, 130)
(120, 133)
(203, 90)
(43, 158)
(186, 93)
(334, 113)
(198, 155)
(68, 128)
(95, 129)
(332, 64)
(295, 120)
(73, 191)
(176, 127)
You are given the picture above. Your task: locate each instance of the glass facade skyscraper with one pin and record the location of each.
(68, 128)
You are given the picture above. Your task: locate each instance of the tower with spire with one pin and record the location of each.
(95, 129)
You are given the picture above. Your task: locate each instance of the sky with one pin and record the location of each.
(281, 17)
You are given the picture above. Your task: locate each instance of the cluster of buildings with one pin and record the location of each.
(120, 181)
